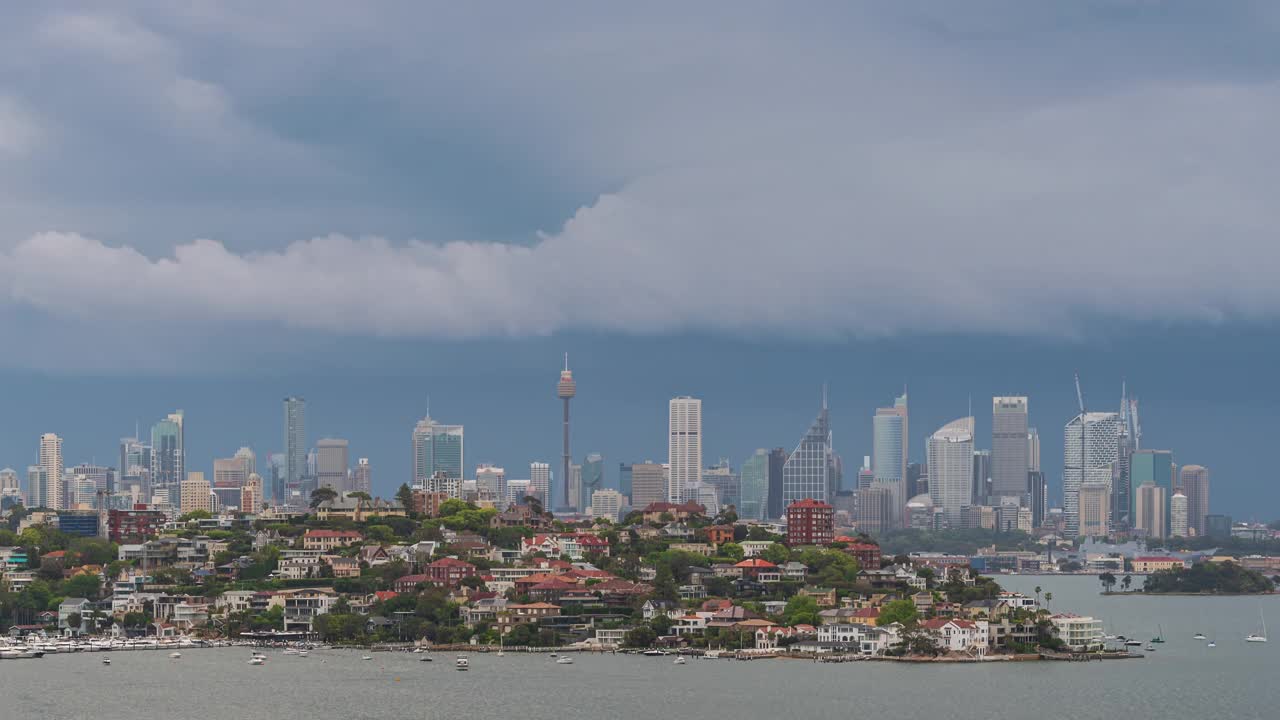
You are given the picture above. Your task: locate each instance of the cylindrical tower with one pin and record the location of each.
(565, 390)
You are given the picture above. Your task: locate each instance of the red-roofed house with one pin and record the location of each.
(867, 554)
(410, 583)
(678, 511)
(959, 635)
(759, 569)
(326, 540)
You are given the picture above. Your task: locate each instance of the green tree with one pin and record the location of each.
(84, 585)
(1108, 581)
(801, 609)
(664, 584)
(731, 550)
(641, 636)
(662, 624)
(323, 495)
(899, 611)
(777, 554)
(74, 621)
(404, 496)
(1126, 581)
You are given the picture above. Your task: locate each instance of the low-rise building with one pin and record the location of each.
(1078, 632)
(1149, 564)
(328, 540)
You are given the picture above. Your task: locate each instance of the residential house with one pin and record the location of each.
(759, 569)
(328, 540)
(303, 605)
(521, 614)
(794, 571)
(753, 548)
(719, 534)
(1078, 632)
(1149, 564)
(450, 572)
(666, 511)
(77, 606)
(963, 636)
(824, 597)
(703, 549)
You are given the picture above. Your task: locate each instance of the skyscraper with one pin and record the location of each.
(491, 483)
(251, 494)
(135, 465)
(1010, 449)
(648, 484)
(1178, 515)
(1088, 459)
(574, 495)
(194, 494)
(808, 472)
(1033, 450)
(725, 481)
(1195, 485)
(233, 471)
(362, 476)
(277, 466)
(1150, 514)
(624, 479)
(1095, 510)
(540, 481)
(295, 440)
(684, 447)
(982, 478)
(950, 458)
(592, 479)
(754, 487)
(51, 467)
(1151, 466)
(777, 461)
(889, 452)
(436, 448)
(333, 464)
(168, 462)
(566, 388)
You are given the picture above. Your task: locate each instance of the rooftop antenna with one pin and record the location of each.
(824, 396)
(566, 361)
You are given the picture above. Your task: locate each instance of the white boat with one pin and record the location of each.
(290, 651)
(425, 658)
(564, 660)
(462, 664)
(257, 660)
(366, 657)
(655, 653)
(1150, 648)
(175, 655)
(1261, 635)
(1212, 644)
(303, 653)
(679, 660)
(1133, 643)
(106, 661)
(1198, 636)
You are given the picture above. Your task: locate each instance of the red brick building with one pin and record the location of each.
(867, 554)
(136, 524)
(428, 503)
(810, 522)
(449, 572)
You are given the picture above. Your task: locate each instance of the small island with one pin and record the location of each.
(1208, 578)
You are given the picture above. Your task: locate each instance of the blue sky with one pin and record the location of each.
(212, 205)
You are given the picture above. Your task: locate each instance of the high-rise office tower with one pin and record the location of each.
(754, 487)
(1091, 445)
(1033, 450)
(168, 461)
(517, 491)
(1122, 483)
(51, 467)
(540, 481)
(35, 486)
(648, 484)
(950, 458)
(9, 480)
(807, 474)
(1151, 466)
(606, 503)
(777, 461)
(277, 462)
(232, 471)
(982, 478)
(566, 388)
(362, 476)
(1195, 485)
(1178, 515)
(333, 464)
(1038, 492)
(917, 480)
(437, 448)
(889, 451)
(135, 465)
(491, 483)
(684, 447)
(1095, 510)
(624, 479)
(592, 479)
(574, 494)
(295, 440)
(725, 481)
(1150, 514)
(1010, 449)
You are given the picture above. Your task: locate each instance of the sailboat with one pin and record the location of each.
(1198, 636)
(1159, 638)
(1261, 635)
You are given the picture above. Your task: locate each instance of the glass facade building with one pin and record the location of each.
(754, 487)
(809, 470)
(436, 448)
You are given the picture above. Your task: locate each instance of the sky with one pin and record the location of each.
(214, 205)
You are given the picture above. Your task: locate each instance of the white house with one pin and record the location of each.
(959, 635)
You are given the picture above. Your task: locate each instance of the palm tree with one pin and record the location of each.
(1037, 595)
(1126, 582)
(1108, 581)
(1048, 600)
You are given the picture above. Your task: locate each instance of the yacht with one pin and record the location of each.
(257, 660)
(655, 653)
(303, 653)
(679, 660)
(1133, 643)
(564, 660)
(1150, 648)
(1159, 638)
(175, 655)
(106, 661)
(425, 658)
(1261, 635)
(462, 664)
(1198, 636)
(1212, 644)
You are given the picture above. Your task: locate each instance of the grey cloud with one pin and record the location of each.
(825, 171)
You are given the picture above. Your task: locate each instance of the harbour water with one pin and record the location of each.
(1182, 679)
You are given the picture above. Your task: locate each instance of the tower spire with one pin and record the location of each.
(824, 396)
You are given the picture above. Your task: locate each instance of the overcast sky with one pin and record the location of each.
(226, 188)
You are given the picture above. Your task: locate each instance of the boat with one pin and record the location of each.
(654, 653)
(1133, 643)
(425, 658)
(1261, 635)
(1150, 648)
(1159, 638)
(175, 655)
(257, 660)
(555, 654)
(564, 660)
(679, 660)
(1212, 644)
(1198, 636)
(106, 661)
(462, 664)
(366, 657)
(303, 653)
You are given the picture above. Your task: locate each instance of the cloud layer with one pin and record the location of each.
(824, 172)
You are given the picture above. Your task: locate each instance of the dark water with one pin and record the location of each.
(1183, 679)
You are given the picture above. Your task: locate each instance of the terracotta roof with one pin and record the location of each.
(759, 563)
(450, 562)
(808, 503)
